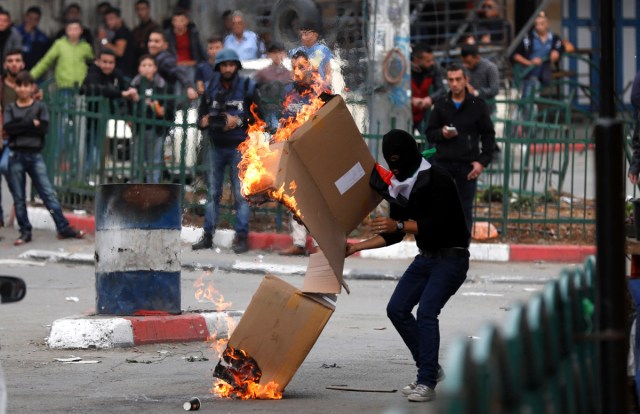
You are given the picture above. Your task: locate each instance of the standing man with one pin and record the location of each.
(10, 37)
(121, 43)
(537, 52)
(142, 31)
(244, 42)
(34, 42)
(319, 54)
(484, 78)
(13, 64)
(423, 202)
(168, 66)
(184, 39)
(271, 82)
(426, 84)
(103, 79)
(461, 130)
(224, 112)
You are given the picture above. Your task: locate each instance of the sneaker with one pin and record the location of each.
(205, 242)
(422, 393)
(70, 233)
(240, 245)
(409, 388)
(24, 238)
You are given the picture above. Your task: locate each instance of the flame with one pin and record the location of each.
(254, 176)
(241, 378)
(209, 293)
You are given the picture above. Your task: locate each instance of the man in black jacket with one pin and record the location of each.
(424, 202)
(168, 65)
(461, 130)
(103, 79)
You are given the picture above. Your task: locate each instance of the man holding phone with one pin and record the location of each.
(461, 129)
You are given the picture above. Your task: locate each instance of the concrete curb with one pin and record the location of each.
(494, 252)
(126, 331)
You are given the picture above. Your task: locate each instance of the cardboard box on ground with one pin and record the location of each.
(330, 164)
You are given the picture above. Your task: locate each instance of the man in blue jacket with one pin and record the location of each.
(224, 112)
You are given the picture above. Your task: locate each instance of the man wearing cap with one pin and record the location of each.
(319, 54)
(224, 113)
(423, 202)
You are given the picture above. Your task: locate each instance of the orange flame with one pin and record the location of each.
(242, 378)
(254, 176)
(209, 293)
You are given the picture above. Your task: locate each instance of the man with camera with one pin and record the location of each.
(462, 131)
(225, 113)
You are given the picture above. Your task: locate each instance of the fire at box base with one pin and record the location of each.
(279, 328)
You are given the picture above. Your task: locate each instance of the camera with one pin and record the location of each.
(217, 121)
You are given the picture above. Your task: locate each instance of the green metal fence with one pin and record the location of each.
(542, 360)
(539, 186)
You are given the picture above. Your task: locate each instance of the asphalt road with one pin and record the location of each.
(359, 345)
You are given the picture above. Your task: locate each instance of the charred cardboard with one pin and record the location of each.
(330, 163)
(279, 328)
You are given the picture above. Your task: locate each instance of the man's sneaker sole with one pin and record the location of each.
(420, 398)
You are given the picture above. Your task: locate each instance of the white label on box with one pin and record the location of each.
(351, 177)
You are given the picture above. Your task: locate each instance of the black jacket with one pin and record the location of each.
(434, 204)
(98, 84)
(170, 71)
(473, 122)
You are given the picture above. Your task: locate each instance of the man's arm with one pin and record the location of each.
(493, 79)
(46, 61)
(434, 128)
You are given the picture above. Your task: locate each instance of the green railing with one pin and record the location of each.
(539, 186)
(543, 360)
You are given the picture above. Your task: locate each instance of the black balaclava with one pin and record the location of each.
(402, 144)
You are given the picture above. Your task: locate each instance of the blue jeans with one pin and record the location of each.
(4, 172)
(151, 144)
(466, 188)
(217, 161)
(428, 283)
(21, 164)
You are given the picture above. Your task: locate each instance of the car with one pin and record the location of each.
(12, 289)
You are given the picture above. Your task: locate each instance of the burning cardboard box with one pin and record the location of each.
(277, 331)
(322, 173)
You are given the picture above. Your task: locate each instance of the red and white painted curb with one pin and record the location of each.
(127, 331)
(492, 252)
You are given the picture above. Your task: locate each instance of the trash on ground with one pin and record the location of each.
(192, 405)
(72, 299)
(345, 388)
(334, 365)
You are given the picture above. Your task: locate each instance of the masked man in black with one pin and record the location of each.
(424, 202)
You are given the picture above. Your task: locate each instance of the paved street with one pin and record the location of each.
(358, 348)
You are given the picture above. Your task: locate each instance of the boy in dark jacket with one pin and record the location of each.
(150, 137)
(26, 122)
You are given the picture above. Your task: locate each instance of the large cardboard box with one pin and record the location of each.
(279, 328)
(329, 163)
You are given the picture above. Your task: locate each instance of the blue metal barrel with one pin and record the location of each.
(137, 248)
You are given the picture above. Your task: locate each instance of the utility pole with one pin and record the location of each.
(611, 287)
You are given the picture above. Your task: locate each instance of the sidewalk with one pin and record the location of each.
(495, 252)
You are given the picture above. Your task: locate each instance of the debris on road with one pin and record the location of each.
(72, 299)
(76, 360)
(192, 405)
(334, 365)
(346, 388)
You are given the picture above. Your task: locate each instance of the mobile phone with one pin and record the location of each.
(450, 128)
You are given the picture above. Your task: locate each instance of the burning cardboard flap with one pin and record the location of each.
(279, 328)
(320, 277)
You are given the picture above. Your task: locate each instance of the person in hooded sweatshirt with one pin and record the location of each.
(423, 202)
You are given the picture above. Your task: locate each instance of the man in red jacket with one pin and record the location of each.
(426, 84)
